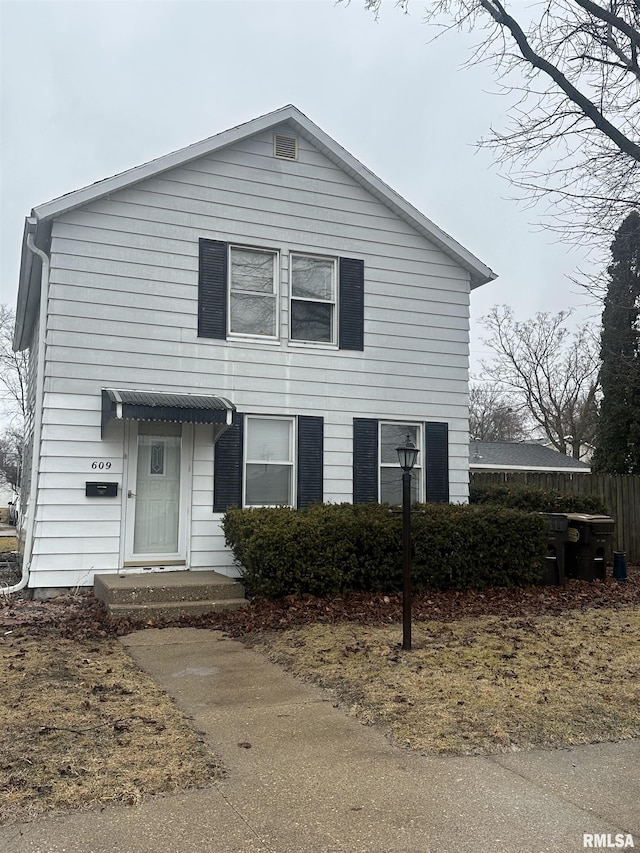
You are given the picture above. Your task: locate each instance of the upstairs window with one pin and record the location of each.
(253, 292)
(238, 296)
(313, 299)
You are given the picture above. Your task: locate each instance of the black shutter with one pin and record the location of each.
(437, 462)
(351, 333)
(212, 289)
(310, 460)
(227, 466)
(365, 460)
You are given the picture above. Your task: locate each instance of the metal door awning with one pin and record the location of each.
(126, 404)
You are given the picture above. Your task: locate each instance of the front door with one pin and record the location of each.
(158, 468)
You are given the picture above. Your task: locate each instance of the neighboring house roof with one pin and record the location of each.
(521, 456)
(42, 215)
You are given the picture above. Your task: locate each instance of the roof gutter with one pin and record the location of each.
(30, 229)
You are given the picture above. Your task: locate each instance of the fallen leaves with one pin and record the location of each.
(80, 724)
(82, 617)
(481, 684)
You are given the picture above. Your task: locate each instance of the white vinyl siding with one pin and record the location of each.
(123, 313)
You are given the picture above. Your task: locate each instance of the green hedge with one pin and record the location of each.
(334, 548)
(533, 499)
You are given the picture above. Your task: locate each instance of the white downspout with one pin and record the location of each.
(38, 414)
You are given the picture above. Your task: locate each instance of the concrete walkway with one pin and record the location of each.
(316, 781)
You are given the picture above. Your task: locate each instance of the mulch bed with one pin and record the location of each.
(82, 616)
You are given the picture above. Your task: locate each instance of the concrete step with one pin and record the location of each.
(160, 595)
(165, 586)
(160, 611)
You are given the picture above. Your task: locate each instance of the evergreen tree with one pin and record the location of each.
(618, 441)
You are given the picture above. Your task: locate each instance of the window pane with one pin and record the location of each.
(252, 270)
(311, 321)
(392, 436)
(268, 440)
(391, 486)
(312, 278)
(157, 459)
(253, 315)
(268, 485)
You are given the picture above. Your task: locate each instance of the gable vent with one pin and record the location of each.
(285, 147)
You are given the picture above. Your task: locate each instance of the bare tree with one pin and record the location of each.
(494, 416)
(13, 370)
(11, 441)
(572, 70)
(13, 399)
(552, 372)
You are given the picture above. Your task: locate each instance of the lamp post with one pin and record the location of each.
(407, 455)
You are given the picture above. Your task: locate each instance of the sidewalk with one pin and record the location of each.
(314, 780)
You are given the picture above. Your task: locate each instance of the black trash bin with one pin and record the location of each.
(556, 542)
(589, 546)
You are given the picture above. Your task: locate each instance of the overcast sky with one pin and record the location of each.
(90, 89)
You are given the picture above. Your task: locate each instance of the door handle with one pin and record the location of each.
(131, 494)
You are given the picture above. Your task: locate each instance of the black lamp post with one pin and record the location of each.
(407, 455)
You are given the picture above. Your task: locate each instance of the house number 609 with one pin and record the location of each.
(101, 466)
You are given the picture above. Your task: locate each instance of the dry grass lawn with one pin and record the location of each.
(482, 684)
(8, 543)
(81, 725)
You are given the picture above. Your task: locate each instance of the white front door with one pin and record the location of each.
(157, 494)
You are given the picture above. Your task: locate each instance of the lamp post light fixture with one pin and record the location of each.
(407, 456)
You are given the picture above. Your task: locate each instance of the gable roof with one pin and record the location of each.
(44, 214)
(521, 456)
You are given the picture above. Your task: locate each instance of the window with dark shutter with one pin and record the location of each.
(351, 287)
(310, 460)
(227, 466)
(365, 460)
(437, 462)
(212, 289)
(265, 476)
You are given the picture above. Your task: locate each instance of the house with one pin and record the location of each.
(254, 320)
(521, 456)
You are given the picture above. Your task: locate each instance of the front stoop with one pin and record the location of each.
(160, 596)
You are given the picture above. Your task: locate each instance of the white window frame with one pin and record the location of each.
(292, 461)
(416, 473)
(333, 342)
(275, 293)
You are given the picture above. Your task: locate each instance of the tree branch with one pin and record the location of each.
(500, 16)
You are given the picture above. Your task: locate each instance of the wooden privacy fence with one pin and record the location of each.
(621, 495)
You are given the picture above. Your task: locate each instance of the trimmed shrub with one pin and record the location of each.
(333, 548)
(466, 547)
(532, 499)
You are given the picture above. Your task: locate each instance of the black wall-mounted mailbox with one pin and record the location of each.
(101, 490)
